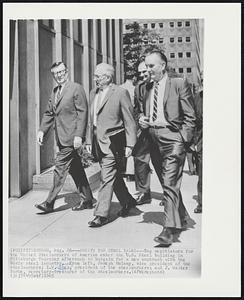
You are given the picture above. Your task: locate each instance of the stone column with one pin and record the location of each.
(71, 45)
(118, 51)
(14, 164)
(58, 40)
(104, 39)
(95, 33)
(85, 59)
(111, 42)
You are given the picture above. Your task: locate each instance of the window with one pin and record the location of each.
(179, 24)
(180, 54)
(145, 25)
(187, 23)
(188, 54)
(77, 30)
(172, 40)
(188, 39)
(188, 70)
(161, 40)
(152, 25)
(173, 69)
(179, 39)
(180, 70)
(48, 23)
(172, 55)
(161, 25)
(171, 24)
(65, 27)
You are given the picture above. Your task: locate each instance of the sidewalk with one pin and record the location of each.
(65, 228)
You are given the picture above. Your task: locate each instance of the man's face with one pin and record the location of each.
(155, 66)
(100, 77)
(142, 72)
(60, 74)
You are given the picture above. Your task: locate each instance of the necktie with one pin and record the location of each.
(99, 100)
(58, 93)
(155, 102)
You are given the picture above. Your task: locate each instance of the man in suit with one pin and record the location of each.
(67, 112)
(112, 135)
(198, 144)
(141, 152)
(168, 115)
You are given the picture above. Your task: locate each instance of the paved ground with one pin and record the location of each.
(66, 228)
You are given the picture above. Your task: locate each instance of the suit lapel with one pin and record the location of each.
(167, 89)
(62, 93)
(92, 97)
(105, 100)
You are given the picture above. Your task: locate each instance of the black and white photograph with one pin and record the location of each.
(106, 159)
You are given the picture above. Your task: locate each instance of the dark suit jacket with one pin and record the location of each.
(68, 115)
(114, 116)
(199, 120)
(178, 106)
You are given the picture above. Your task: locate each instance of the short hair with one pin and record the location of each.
(58, 63)
(107, 69)
(159, 53)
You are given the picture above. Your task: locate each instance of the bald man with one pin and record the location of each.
(141, 150)
(111, 136)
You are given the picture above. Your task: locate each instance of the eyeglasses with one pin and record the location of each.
(142, 72)
(62, 72)
(95, 77)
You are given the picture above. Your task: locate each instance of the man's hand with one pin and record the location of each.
(144, 122)
(128, 151)
(40, 136)
(88, 148)
(77, 142)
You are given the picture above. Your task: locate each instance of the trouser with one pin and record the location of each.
(68, 161)
(142, 173)
(190, 161)
(199, 173)
(111, 177)
(168, 151)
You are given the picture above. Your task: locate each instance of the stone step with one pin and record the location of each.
(44, 180)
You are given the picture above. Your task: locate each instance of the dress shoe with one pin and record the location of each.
(83, 205)
(98, 221)
(198, 209)
(165, 237)
(124, 212)
(45, 206)
(144, 199)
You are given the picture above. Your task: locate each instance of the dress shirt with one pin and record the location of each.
(160, 105)
(103, 93)
(61, 87)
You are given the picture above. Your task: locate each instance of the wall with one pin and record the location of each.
(34, 46)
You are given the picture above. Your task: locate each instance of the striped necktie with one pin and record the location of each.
(155, 102)
(58, 93)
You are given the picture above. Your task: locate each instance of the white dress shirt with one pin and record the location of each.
(96, 104)
(160, 105)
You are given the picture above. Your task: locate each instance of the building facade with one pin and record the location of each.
(182, 41)
(34, 46)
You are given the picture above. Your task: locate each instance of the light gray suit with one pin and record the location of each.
(116, 128)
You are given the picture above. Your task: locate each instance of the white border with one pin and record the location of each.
(222, 125)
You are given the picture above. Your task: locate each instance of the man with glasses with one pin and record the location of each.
(67, 112)
(168, 115)
(111, 136)
(141, 150)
